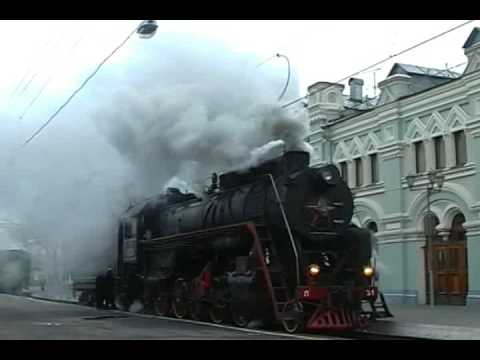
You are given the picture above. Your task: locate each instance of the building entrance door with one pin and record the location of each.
(450, 268)
(450, 273)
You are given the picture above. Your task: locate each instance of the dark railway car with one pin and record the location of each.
(85, 273)
(273, 243)
(15, 271)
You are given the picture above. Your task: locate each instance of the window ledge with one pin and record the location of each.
(359, 190)
(448, 172)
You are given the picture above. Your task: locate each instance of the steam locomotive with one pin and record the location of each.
(15, 268)
(271, 243)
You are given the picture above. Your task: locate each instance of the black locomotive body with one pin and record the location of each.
(15, 271)
(272, 242)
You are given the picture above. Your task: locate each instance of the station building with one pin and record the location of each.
(424, 122)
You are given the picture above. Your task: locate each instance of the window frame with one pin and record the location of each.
(358, 165)
(332, 97)
(416, 146)
(344, 170)
(374, 174)
(440, 153)
(458, 161)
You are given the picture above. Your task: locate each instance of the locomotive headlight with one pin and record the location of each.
(368, 271)
(314, 269)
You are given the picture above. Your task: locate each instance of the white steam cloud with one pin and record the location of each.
(182, 109)
(200, 108)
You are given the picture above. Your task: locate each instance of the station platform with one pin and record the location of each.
(54, 293)
(441, 322)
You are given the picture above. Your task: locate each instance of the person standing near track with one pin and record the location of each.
(109, 288)
(100, 291)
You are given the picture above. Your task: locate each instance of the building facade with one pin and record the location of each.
(424, 120)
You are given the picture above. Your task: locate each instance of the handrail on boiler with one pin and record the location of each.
(285, 220)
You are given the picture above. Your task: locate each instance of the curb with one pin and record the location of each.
(427, 331)
(71, 302)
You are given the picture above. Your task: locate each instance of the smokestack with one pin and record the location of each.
(356, 89)
(296, 160)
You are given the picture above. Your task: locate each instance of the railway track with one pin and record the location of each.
(365, 335)
(350, 335)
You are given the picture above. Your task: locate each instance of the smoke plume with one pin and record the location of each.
(180, 109)
(200, 108)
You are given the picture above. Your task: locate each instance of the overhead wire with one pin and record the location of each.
(28, 84)
(57, 44)
(48, 48)
(284, 90)
(456, 66)
(49, 79)
(288, 77)
(382, 61)
(54, 115)
(29, 68)
(266, 60)
(283, 106)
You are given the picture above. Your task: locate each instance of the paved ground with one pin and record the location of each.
(26, 318)
(439, 322)
(468, 316)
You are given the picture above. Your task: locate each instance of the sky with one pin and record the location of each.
(186, 102)
(323, 50)
(163, 111)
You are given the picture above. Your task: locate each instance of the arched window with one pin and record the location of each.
(457, 231)
(332, 97)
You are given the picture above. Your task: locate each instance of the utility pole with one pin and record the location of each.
(434, 179)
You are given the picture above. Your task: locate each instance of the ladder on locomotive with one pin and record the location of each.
(378, 308)
(275, 280)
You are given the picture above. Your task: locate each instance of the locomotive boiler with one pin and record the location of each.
(273, 242)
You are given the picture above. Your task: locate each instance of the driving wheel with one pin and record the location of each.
(294, 325)
(180, 302)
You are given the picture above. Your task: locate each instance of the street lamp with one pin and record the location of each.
(147, 29)
(435, 184)
(288, 76)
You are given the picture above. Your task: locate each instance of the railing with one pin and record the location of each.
(287, 225)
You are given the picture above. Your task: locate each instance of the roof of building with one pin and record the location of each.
(423, 79)
(366, 104)
(421, 70)
(473, 38)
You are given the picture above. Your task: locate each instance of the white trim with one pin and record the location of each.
(387, 242)
(359, 192)
(400, 294)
